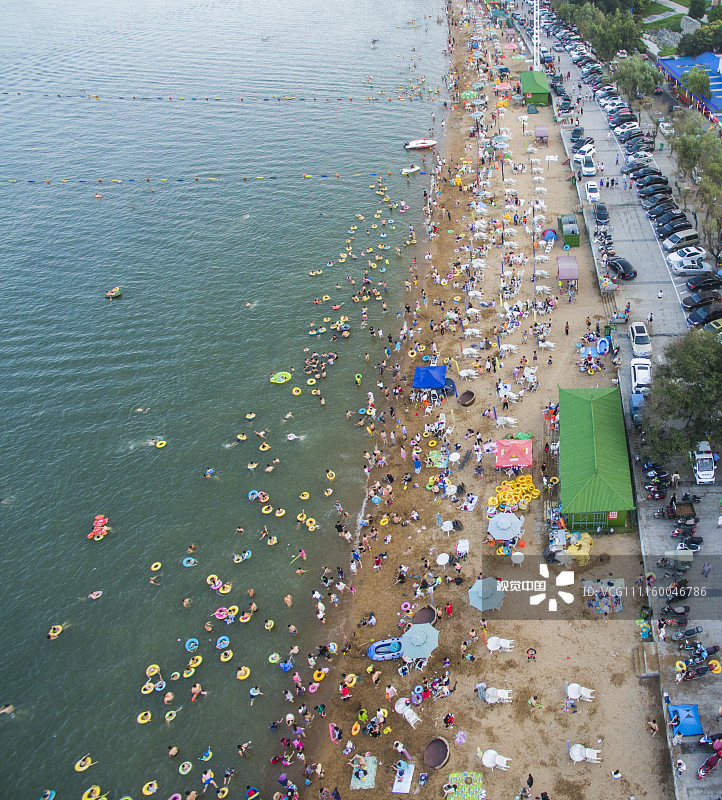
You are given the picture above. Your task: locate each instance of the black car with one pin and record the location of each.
(656, 190)
(649, 180)
(656, 200)
(565, 106)
(577, 134)
(699, 299)
(704, 315)
(672, 227)
(669, 216)
(706, 282)
(633, 170)
(622, 268)
(638, 146)
(577, 146)
(666, 206)
(643, 172)
(601, 214)
(629, 135)
(621, 119)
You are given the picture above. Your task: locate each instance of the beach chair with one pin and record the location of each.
(587, 694)
(420, 663)
(504, 695)
(403, 670)
(506, 645)
(502, 762)
(592, 756)
(411, 717)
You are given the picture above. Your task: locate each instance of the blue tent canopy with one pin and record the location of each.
(429, 377)
(689, 724)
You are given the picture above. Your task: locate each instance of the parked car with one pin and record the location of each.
(662, 208)
(704, 315)
(577, 134)
(699, 283)
(641, 343)
(622, 268)
(704, 466)
(672, 227)
(694, 301)
(641, 371)
(655, 190)
(693, 253)
(577, 146)
(680, 239)
(583, 152)
(656, 200)
(601, 214)
(691, 267)
(650, 180)
(591, 189)
(589, 168)
(626, 126)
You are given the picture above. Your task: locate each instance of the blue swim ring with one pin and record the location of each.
(189, 562)
(418, 689)
(602, 347)
(253, 495)
(222, 643)
(159, 686)
(426, 358)
(50, 796)
(192, 645)
(286, 665)
(375, 500)
(362, 411)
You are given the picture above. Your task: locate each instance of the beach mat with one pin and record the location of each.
(402, 784)
(467, 791)
(369, 781)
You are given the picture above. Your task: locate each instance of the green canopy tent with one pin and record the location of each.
(535, 88)
(594, 472)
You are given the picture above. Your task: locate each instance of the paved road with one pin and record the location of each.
(635, 240)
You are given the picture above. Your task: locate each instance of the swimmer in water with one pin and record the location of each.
(268, 468)
(289, 416)
(191, 549)
(95, 595)
(172, 751)
(142, 410)
(251, 465)
(260, 434)
(187, 602)
(8, 709)
(155, 580)
(168, 698)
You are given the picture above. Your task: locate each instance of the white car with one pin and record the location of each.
(690, 266)
(592, 190)
(641, 343)
(626, 126)
(583, 152)
(621, 53)
(641, 370)
(589, 168)
(704, 466)
(666, 128)
(692, 253)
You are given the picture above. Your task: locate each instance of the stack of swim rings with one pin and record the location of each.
(513, 495)
(100, 528)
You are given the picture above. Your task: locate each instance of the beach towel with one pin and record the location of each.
(369, 781)
(402, 784)
(470, 504)
(467, 791)
(490, 447)
(439, 460)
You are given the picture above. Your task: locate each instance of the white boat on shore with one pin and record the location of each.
(420, 144)
(410, 170)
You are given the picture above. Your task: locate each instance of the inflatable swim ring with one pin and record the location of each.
(211, 579)
(265, 446)
(233, 610)
(152, 670)
(82, 764)
(268, 625)
(150, 788)
(313, 688)
(253, 495)
(330, 475)
(328, 492)
(223, 792)
(92, 793)
(310, 381)
(406, 607)
(350, 680)
(221, 613)
(161, 444)
(245, 617)
(191, 645)
(243, 673)
(356, 728)
(170, 715)
(155, 566)
(185, 768)
(272, 540)
(319, 675)
(304, 496)
(226, 588)
(267, 509)
(143, 717)
(301, 517)
(332, 647)
(226, 655)
(296, 390)
(280, 512)
(310, 521)
(262, 497)
(222, 642)
(195, 661)
(274, 658)
(189, 562)
(189, 672)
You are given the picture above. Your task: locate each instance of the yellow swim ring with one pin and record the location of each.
(280, 512)
(319, 675)
(265, 446)
(232, 611)
(311, 528)
(82, 764)
(272, 540)
(296, 391)
(225, 588)
(223, 792)
(554, 480)
(92, 793)
(268, 625)
(310, 521)
(267, 509)
(189, 672)
(150, 788)
(195, 661)
(161, 444)
(226, 655)
(301, 517)
(156, 566)
(330, 475)
(328, 492)
(715, 667)
(147, 687)
(243, 673)
(143, 717)
(350, 680)
(212, 579)
(432, 442)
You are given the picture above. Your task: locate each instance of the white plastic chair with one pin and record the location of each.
(502, 762)
(592, 756)
(587, 694)
(507, 645)
(504, 695)
(412, 717)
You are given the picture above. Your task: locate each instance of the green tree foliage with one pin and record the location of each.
(635, 75)
(705, 38)
(689, 130)
(715, 13)
(566, 11)
(697, 81)
(683, 406)
(697, 8)
(607, 26)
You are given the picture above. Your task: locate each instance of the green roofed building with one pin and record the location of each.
(535, 88)
(594, 470)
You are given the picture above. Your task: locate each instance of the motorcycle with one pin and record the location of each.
(664, 513)
(691, 498)
(649, 465)
(708, 766)
(656, 473)
(675, 609)
(697, 672)
(657, 494)
(698, 657)
(693, 645)
(688, 634)
(690, 548)
(672, 621)
(680, 594)
(684, 530)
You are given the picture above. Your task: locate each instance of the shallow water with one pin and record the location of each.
(182, 343)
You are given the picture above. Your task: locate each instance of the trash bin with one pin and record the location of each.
(661, 146)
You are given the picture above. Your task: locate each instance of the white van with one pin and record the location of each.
(681, 239)
(704, 467)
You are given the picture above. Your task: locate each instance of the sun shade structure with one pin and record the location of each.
(485, 595)
(567, 268)
(420, 641)
(689, 722)
(513, 453)
(596, 485)
(429, 377)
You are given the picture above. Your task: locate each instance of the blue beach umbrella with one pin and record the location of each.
(486, 595)
(420, 641)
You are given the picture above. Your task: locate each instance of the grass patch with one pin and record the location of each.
(657, 8)
(672, 23)
(684, 3)
(667, 51)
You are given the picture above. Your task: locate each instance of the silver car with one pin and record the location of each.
(641, 343)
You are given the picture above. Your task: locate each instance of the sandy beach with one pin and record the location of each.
(536, 728)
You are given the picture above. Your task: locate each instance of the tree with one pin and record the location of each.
(689, 128)
(697, 8)
(715, 13)
(635, 76)
(697, 81)
(566, 11)
(683, 405)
